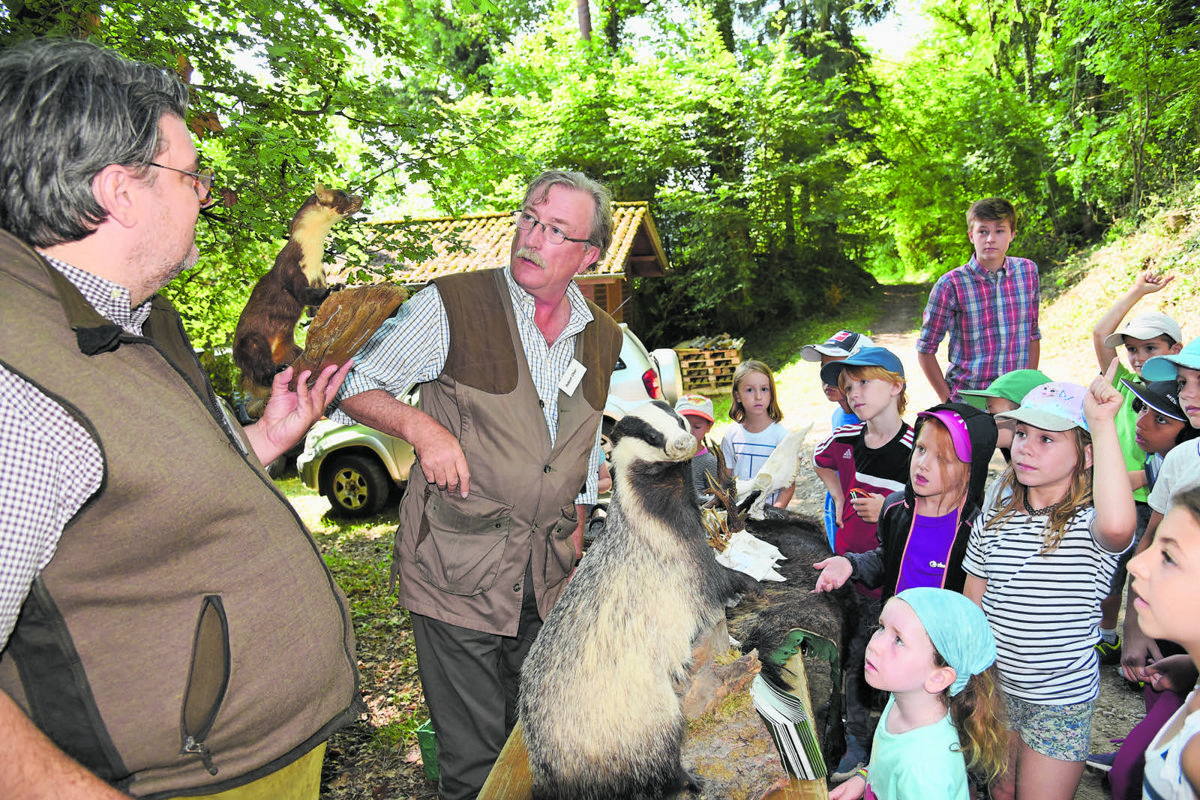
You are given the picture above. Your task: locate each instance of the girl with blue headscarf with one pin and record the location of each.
(935, 653)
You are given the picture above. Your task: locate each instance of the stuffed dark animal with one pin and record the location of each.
(264, 342)
(598, 707)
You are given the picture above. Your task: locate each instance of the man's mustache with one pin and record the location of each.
(531, 255)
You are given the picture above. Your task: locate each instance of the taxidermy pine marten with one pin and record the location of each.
(264, 342)
(598, 708)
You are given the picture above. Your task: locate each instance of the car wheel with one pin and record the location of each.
(358, 486)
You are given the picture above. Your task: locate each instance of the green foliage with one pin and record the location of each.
(1135, 127)
(1078, 111)
(785, 168)
(945, 142)
(286, 94)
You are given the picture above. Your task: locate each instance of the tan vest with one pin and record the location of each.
(186, 633)
(462, 561)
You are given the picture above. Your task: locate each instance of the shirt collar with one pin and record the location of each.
(522, 302)
(979, 268)
(111, 300)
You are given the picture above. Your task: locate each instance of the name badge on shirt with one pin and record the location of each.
(572, 377)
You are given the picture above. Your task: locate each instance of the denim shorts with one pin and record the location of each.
(1063, 732)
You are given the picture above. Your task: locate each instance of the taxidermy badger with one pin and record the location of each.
(264, 342)
(598, 706)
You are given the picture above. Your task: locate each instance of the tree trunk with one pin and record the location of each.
(584, 14)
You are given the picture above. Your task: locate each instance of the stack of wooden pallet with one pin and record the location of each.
(708, 371)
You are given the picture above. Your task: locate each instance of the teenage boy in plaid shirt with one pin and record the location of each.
(989, 306)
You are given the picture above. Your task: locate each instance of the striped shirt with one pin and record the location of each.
(991, 318)
(1044, 609)
(51, 466)
(412, 348)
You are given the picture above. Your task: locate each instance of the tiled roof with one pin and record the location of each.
(636, 250)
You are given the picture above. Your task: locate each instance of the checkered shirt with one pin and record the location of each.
(991, 319)
(51, 466)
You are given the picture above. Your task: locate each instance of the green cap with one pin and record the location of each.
(1011, 386)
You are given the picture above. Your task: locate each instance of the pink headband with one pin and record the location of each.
(958, 431)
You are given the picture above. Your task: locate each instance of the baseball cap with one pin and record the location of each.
(1011, 386)
(1054, 406)
(1146, 326)
(842, 343)
(1163, 368)
(696, 404)
(1161, 396)
(866, 357)
(959, 435)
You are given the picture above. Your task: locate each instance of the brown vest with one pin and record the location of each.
(462, 561)
(186, 633)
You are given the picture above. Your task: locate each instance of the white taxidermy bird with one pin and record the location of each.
(778, 473)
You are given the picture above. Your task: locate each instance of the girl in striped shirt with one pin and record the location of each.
(1039, 564)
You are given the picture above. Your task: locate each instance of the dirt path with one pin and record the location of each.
(1064, 358)
(896, 329)
(803, 400)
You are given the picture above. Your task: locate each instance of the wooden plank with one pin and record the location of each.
(707, 387)
(695, 361)
(685, 352)
(510, 778)
(709, 375)
(700, 371)
(799, 790)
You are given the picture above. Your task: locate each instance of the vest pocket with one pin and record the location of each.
(208, 679)
(461, 543)
(560, 547)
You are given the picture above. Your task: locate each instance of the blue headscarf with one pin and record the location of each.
(958, 629)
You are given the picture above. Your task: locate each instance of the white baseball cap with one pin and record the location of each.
(1146, 326)
(841, 344)
(696, 404)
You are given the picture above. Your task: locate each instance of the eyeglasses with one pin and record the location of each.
(527, 222)
(202, 182)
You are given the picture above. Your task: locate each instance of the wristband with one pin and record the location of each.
(862, 773)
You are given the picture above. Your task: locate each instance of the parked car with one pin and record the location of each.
(358, 468)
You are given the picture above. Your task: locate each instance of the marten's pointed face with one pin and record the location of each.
(322, 210)
(337, 201)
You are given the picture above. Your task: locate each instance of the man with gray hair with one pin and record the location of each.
(513, 365)
(160, 634)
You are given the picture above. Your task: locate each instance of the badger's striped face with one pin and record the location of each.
(653, 432)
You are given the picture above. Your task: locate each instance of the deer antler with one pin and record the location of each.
(721, 519)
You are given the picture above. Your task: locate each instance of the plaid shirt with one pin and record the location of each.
(991, 318)
(412, 347)
(51, 466)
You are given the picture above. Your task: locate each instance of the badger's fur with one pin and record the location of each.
(598, 706)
